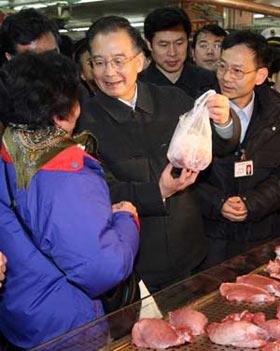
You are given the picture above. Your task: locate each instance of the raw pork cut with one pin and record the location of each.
(270, 285)
(272, 346)
(157, 333)
(237, 333)
(242, 292)
(256, 318)
(272, 327)
(188, 318)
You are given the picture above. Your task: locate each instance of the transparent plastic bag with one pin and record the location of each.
(191, 143)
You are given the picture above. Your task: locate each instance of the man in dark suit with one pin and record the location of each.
(167, 31)
(133, 123)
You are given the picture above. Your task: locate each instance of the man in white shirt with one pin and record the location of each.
(240, 194)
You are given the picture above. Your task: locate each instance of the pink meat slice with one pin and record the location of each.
(242, 292)
(156, 333)
(246, 315)
(272, 346)
(237, 333)
(272, 327)
(270, 285)
(188, 318)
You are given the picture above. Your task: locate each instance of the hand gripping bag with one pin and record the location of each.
(191, 143)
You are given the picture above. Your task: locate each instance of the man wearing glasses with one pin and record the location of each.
(240, 194)
(206, 46)
(133, 123)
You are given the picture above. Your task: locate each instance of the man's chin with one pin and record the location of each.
(175, 69)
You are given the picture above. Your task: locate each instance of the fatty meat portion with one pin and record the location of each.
(241, 292)
(157, 333)
(188, 318)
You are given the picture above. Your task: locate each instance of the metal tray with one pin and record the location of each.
(215, 308)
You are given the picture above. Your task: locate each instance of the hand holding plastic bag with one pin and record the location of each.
(191, 143)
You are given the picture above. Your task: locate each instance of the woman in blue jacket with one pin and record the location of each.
(67, 244)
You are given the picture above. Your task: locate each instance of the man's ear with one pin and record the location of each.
(140, 62)
(8, 56)
(262, 74)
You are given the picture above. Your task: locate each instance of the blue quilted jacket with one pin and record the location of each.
(78, 249)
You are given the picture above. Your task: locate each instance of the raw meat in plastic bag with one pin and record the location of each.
(191, 143)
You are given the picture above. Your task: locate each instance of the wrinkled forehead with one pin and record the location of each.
(239, 55)
(112, 43)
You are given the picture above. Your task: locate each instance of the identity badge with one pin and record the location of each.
(243, 169)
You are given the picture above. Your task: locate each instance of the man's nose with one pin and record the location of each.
(210, 49)
(172, 50)
(109, 68)
(227, 75)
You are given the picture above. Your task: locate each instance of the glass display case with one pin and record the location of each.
(112, 332)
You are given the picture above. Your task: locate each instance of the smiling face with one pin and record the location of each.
(169, 50)
(240, 58)
(112, 80)
(207, 50)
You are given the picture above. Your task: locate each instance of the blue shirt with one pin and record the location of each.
(244, 115)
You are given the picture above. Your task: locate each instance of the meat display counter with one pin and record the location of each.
(113, 331)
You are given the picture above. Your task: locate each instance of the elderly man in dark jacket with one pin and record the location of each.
(240, 193)
(134, 123)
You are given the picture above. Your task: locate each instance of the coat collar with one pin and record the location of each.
(265, 117)
(122, 112)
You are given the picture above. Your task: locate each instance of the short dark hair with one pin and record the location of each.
(254, 41)
(36, 87)
(24, 27)
(209, 28)
(111, 24)
(166, 18)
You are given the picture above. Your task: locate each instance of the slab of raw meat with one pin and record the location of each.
(241, 292)
(237, 333)
(272, 327)
(157, 333)
(272, 346)
(270, 285)
(256, 318)
(188, 318)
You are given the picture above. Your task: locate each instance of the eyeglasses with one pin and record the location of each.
(117, 63)
(207, 46)
(237, 73)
